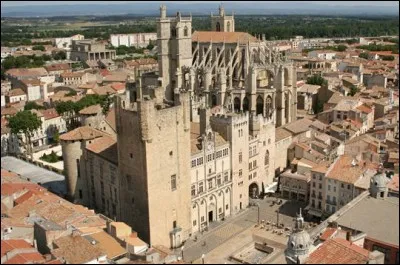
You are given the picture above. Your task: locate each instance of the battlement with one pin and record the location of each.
(231, 118)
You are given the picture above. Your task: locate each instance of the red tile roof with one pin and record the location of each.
(49, 113)
(338, 251)
(11, 244)
(26, 258)
(327, 233)
(118, 86)
(11, 188)
(219, 37)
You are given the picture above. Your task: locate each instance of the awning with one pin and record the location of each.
(315, 212)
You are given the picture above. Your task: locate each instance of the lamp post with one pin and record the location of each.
(182, 251)
(202, 258)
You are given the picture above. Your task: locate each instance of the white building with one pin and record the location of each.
(327, 55)
(66, 43)
(16, 95)
(134, 39)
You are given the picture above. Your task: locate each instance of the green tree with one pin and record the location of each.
(56, 137)
(364, 55)
(66, 109)
(39, 48)
(25, 122)
(353, 90)
(387, 57)
(317, 80)
(106, 103)
(32, 105)
(341, 48)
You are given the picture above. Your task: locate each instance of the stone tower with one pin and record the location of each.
(378, 186)
(174, 41)
(221, 22)
(154, 163)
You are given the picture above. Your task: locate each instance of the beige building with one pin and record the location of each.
(15, 95)
(195, 142)
(90, 50)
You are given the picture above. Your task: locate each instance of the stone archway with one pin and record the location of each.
(236, 104)
(254, 190)
(259, 105)
(245, 104)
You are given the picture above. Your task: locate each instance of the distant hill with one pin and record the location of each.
(240, 8)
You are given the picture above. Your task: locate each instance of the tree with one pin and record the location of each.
(364, 55)
(353, 90)
(66, 109)
(341, 48)
(39, 48)
(32, 105)
(56, 137)
(387, 57)
(317, 80)
(25, 122)
(105, 104)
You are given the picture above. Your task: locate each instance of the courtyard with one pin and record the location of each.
(221, 241)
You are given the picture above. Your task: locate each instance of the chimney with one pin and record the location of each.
(348, 236)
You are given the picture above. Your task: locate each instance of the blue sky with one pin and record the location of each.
(328, 3)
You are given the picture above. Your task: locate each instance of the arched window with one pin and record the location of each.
(218, 26)
(259, 105)
(266, 161)
(173, 32)
(268, 106)
(228, 26)
(185, 32)
(245, 104)
(236, 104)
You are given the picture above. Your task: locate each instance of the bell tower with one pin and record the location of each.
(221, 22)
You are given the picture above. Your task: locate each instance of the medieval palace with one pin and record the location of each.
(190, 144)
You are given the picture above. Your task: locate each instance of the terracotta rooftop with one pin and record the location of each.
(338, 251)
(103, 90)
(11, 188)
(108, 244)
(74, 74)
(81, 133)
(91, 110)
(219, 37)
(76, 250)
(281, 134)
(328, 233)
(16, 92)
(11, 244)
(26, 258)
(141, 61)
(394, 183)
(49, 113)
(110, 119)
(299, 126)
(8, 111)
(31, 82)
(344, 171)
(118, 86)
(57, 67)
(364, 108)
(106, 147)
(25, 72)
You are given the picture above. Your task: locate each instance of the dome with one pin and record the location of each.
(379, 181)
(299, 241)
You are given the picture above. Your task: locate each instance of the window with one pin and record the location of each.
(334, 188)
(250, 176)
(250, 164)
(210, 184)
(320, 185)
(329, 187)
(320, 177)
(266, 160)
(254, 174)
(314, 176)
(313, 184)
(201, 188)
(194, 163)
(220, 210)
(219, 182)
(131, 155)
(254, 163)
(226, 177)
(202, 219)
(173, 182)
(174, 224)
(185, 31)
(77, 167)
(173, 32)
(227, 207)
(250, 151)
(348, 186)
(193, 190)
(342, 185)
(254, 150)
(199, 161)
(194, 223)
(240, 173)
(240, 157)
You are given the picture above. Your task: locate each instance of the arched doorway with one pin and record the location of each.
(253, 190)
(260, 105)
(212, 212)
(236, 104)
(245, 104)
(218, 26)
(268, 106)
(213, 100)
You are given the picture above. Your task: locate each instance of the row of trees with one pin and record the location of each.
(274, 27)
(379, 47)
